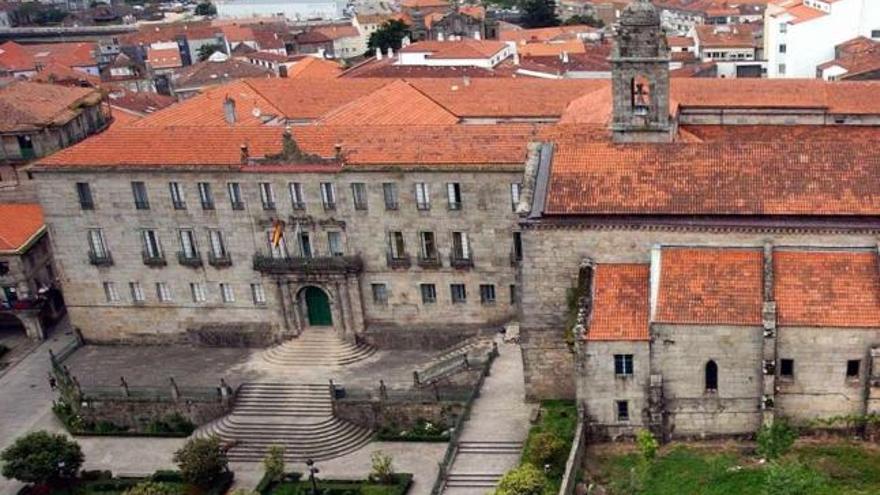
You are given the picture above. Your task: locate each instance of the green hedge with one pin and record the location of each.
(400, 486)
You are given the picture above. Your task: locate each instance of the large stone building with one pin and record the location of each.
(718, 268)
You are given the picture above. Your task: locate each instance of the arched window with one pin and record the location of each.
(711, 376)
(640, 95)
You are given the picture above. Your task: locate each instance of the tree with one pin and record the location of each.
(584, 19)
(775, 440)
(273, 463)
(546, 448)
(42, 458)
(206, 51)
(382, 469)
(648, 445)
(200, 461)
(523, 480)
(539, 13)
(206, 8)
(152, 488)
(389, 34)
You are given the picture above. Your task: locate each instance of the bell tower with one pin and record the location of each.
(640, 77)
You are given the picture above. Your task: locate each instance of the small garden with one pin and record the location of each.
(50, 465)
(422, 431)
(172, 425)
(776, 464)
(545, 453)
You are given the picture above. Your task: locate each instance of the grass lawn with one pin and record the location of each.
(847, 468)
(560, 418)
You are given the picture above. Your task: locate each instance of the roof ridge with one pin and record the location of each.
(429, 97)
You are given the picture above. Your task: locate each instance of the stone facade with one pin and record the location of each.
(485, 214)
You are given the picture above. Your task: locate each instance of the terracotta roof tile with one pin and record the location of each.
(305, 99)
(545, 49)
(26, 106)
(15, 57)
(211, 73)
(827, 289)
(164, 58)
(314, 68)
(710, 286)
(620, 303)
(558, 33)
(18, 224)
(464, 49)
(337, 31)
(728, 36)
(397, 103)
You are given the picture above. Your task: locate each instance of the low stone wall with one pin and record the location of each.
(137, 414)
(241, 334)
(378, 414)
(422, 338)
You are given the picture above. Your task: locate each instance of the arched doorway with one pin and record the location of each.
(317, 307)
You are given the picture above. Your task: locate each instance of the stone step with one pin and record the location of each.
(314, 350)
(476, 480)
(490, 447)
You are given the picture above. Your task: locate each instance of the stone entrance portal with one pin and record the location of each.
(318, 307)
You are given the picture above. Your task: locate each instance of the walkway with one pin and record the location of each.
(492, 438)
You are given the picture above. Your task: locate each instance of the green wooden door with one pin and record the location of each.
(318, 305)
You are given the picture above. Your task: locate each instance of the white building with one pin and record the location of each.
(457, 53)
(799, 35)
(291, 9)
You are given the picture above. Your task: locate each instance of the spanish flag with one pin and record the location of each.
(277, 232)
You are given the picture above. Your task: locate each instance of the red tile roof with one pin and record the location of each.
(397, 103)
(29, 106)
(620, 303)
(464, 49)
(19, 223)
(314, 68)
(545, 49)
(710, 286)
(827, 289)
(559, 33)
(337, 31)
(732, 36)
(164, 58)
(15, 57)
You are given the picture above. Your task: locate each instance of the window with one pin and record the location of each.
(152, 248)
(459, 293)
(110, 292)
(137, 292)
(623, 364)
(517, 246)
(487, 294)
(453, 195)
(852, 368)
(258, 294)
(875, 33)
(296, 196)
(97, 248)
(177, 200)
(235, 199)
(359, 195)
(786, 368)
(198, 292)
(187, 244)
(782, 48)
(396, 246)
(781, 69)
(514, 294)
(515, 191)
(622, 409)
(380, 294)
(139, 191)
(328, 195)
(218, 245)
(206, 196)
(278, 249)
(711, 376)
(783, 27)
(389, 191)
(334, 241)
(427, 246)
(423, 196)
(84, 194)
(226, 293)
(305, 245)
(429, 293)
(267, 195)
(163, 292)
(460, 246)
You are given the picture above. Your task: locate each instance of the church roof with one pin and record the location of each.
(620, 303)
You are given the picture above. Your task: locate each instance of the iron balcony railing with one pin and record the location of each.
(458, 261)
(400, 261)
(154, 259)
(219, 260)
(432, 261)
(317, 264)
(100, 259)
(192, 260)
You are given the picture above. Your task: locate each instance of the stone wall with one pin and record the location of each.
(137, 414)
(599, 388)
(425, 337)
(486, 214)
(378, 414)
(548, 364)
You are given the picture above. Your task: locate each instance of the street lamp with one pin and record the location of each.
(312, 472)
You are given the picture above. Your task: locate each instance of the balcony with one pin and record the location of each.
(317, 264)
(391, 205)
(432, 261)
(141, 205)
(207, 205)
(299, 205)
(269, 206)
(192, 260)
(400, 262)
(102, 259)
(329, 205)
(460, 262)
(237, 205)
(179, 205)
(154, 260)
(219, 261)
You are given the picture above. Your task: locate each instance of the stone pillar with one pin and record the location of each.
(357, 308)
(291, 326)
(336, 308)
(345, 304)
(769, 346)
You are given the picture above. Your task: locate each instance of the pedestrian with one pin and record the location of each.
(52, 384)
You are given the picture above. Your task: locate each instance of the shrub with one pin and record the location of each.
(200, 461)
(42, 458)
(382, 467)
(273, 463)
(647, 444)
(523, 480)
(791, 479)
(545, 448)
(152, 488)
(95, 475)
(775, 440)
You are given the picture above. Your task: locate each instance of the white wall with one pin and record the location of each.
(292, 9)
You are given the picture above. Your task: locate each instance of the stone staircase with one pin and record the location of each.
(317, 348)
(298, 417)
(493, 458)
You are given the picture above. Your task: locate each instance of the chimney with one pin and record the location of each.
(245, 154)
(390, 52)
(229, 110)
(439, 36)
(337, 148)
(466, 81)
(477, 35)
(378, 53)
(564, 57)
(405, 41)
